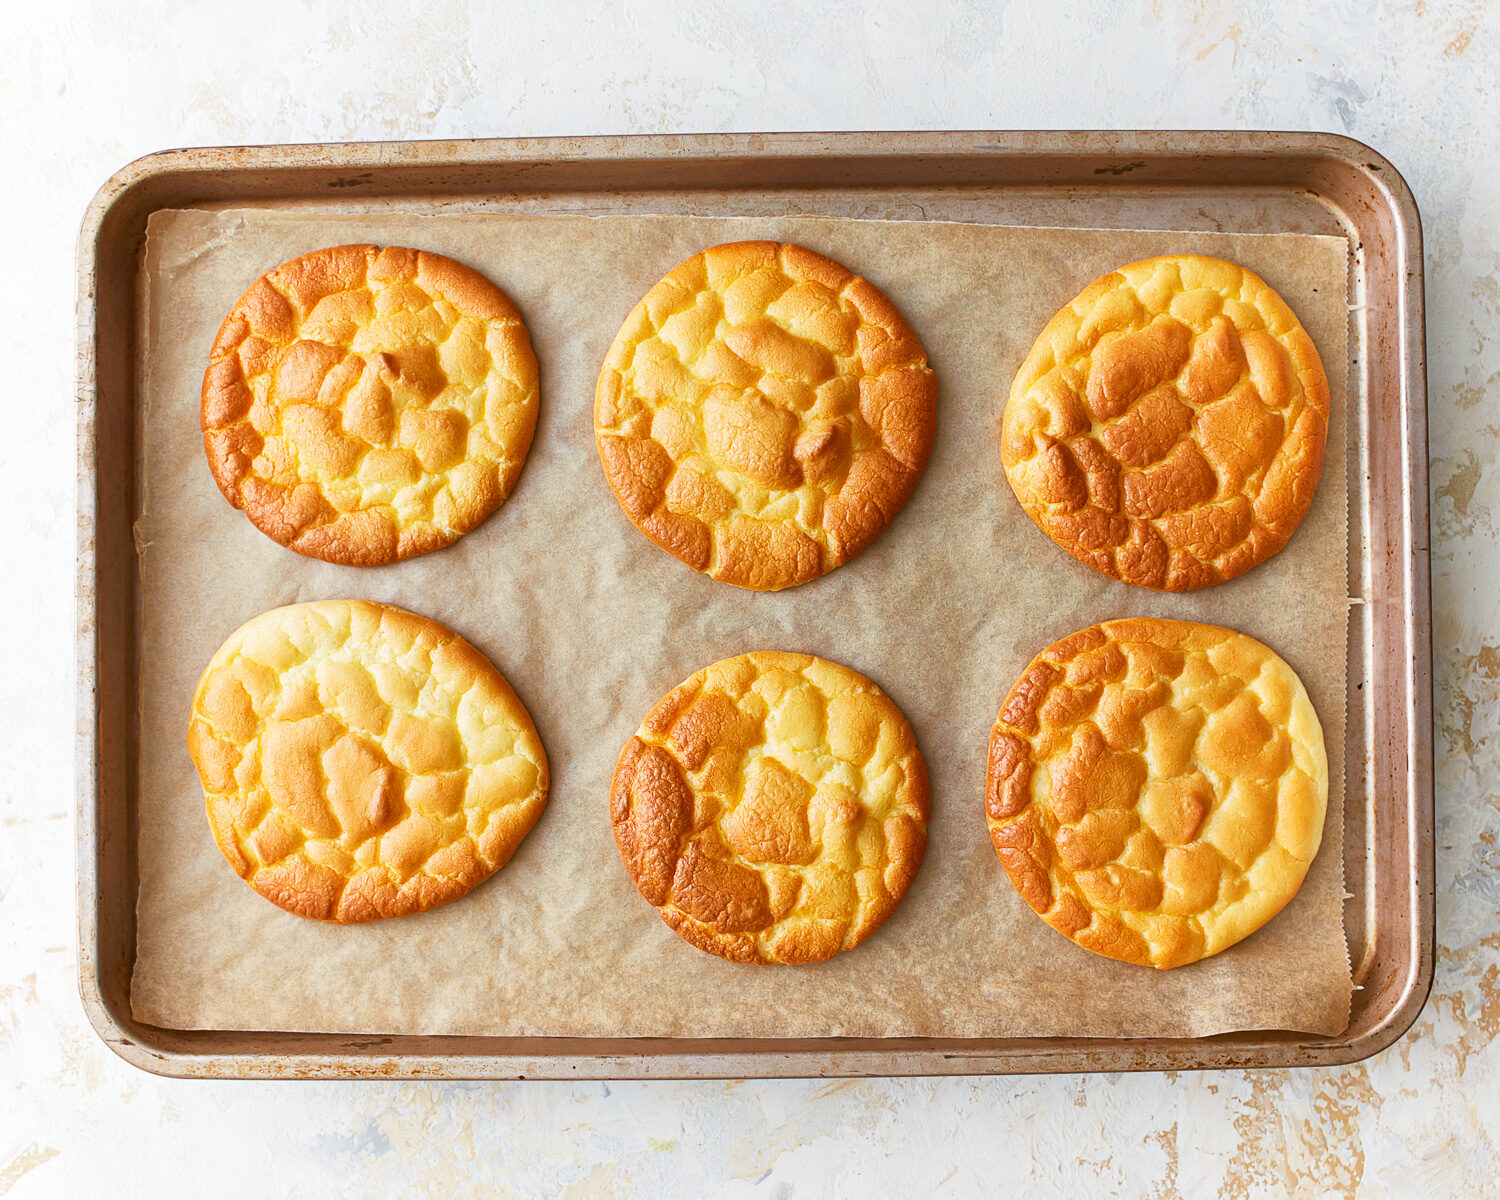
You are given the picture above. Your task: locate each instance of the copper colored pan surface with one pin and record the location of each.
(1240, 182)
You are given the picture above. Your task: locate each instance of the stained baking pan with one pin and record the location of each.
(1240, 182)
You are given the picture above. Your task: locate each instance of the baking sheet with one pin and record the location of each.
(591, 624)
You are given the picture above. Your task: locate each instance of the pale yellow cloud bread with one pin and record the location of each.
(1156, 789)
(361, 762)
(773, 807)
(363, 405)
(1168, 426)
(764, 413)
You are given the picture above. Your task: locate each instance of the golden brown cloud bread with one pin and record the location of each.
(773, 807)
(1168, 426)
(764, 413)
(364, 405)
(361, 761)
(1156, 789)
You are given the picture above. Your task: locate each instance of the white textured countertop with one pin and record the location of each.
(86, 88)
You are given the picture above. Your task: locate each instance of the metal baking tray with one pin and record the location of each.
(1241, 182)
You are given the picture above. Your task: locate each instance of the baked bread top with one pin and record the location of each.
(1156, 789)
(361, 761)
(773, 807)
(1168, 426)
(764, 413)
(363, 405)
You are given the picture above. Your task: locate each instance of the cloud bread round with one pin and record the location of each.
(764, 413)
(773, 807)
(364, 405)
(1156, 789)
(1168, 426)
(361, 761)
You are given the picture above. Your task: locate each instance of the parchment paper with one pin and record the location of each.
(592, 624)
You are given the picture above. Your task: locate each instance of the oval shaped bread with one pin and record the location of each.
(1168, 426)
(360, 761)
(764, 413)
(363, 405)
(1156, 789)
(773, 807)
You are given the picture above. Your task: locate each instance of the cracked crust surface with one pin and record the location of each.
(773, 807)
(360, 761)
(764, 413)
(1168, 426)
(1156, 789)
(363, 405)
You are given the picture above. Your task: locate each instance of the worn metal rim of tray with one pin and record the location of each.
(1246, 182)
